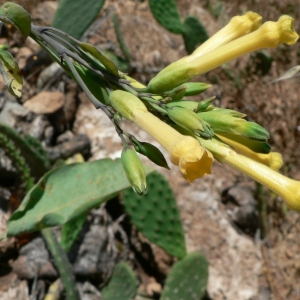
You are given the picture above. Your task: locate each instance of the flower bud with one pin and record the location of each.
(134, 170)
(221, 122)
(190, 121)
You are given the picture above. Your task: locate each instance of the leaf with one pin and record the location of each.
(17, 16)
(108, 64)
(67, 192)
(11, 73)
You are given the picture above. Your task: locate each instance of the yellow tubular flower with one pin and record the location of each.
(237, 27)
(272, 159)
(285, 187)
(193, 160)
(269, 35)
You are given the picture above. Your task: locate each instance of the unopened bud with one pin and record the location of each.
(134, 170)
(190, 121)
(227, 123)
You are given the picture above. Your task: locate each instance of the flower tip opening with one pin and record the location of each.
(192, 168)
(276, 161)
(252, 20)
(289, 35)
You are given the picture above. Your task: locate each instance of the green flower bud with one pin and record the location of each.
(221, 122)
(134, 170)
(195, 88)
(126, 104)
(190, 121)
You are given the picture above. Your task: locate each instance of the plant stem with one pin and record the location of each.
(62, 263)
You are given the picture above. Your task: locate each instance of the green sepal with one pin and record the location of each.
(195, 88)
(191, 105)
(11, 73)
(176, 94)
(205, 105)
(150, 151)
(230, 112)
(16, 15)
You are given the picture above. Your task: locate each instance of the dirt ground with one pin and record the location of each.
(253, 253)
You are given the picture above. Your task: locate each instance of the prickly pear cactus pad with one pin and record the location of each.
(187, 279)
(156, 215)
(74, 17)
(122, 285)
(166, 14)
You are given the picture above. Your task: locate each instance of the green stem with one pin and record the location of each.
(62, 263)
(262, 209)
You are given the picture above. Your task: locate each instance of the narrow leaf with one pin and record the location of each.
(96, 53)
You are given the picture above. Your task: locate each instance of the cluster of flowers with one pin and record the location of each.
(194, 134)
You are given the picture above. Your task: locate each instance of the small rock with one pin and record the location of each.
(12, 288)
(22, 56)
(44, 12)
(34, 261)
(45, 102)
(12, 112)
